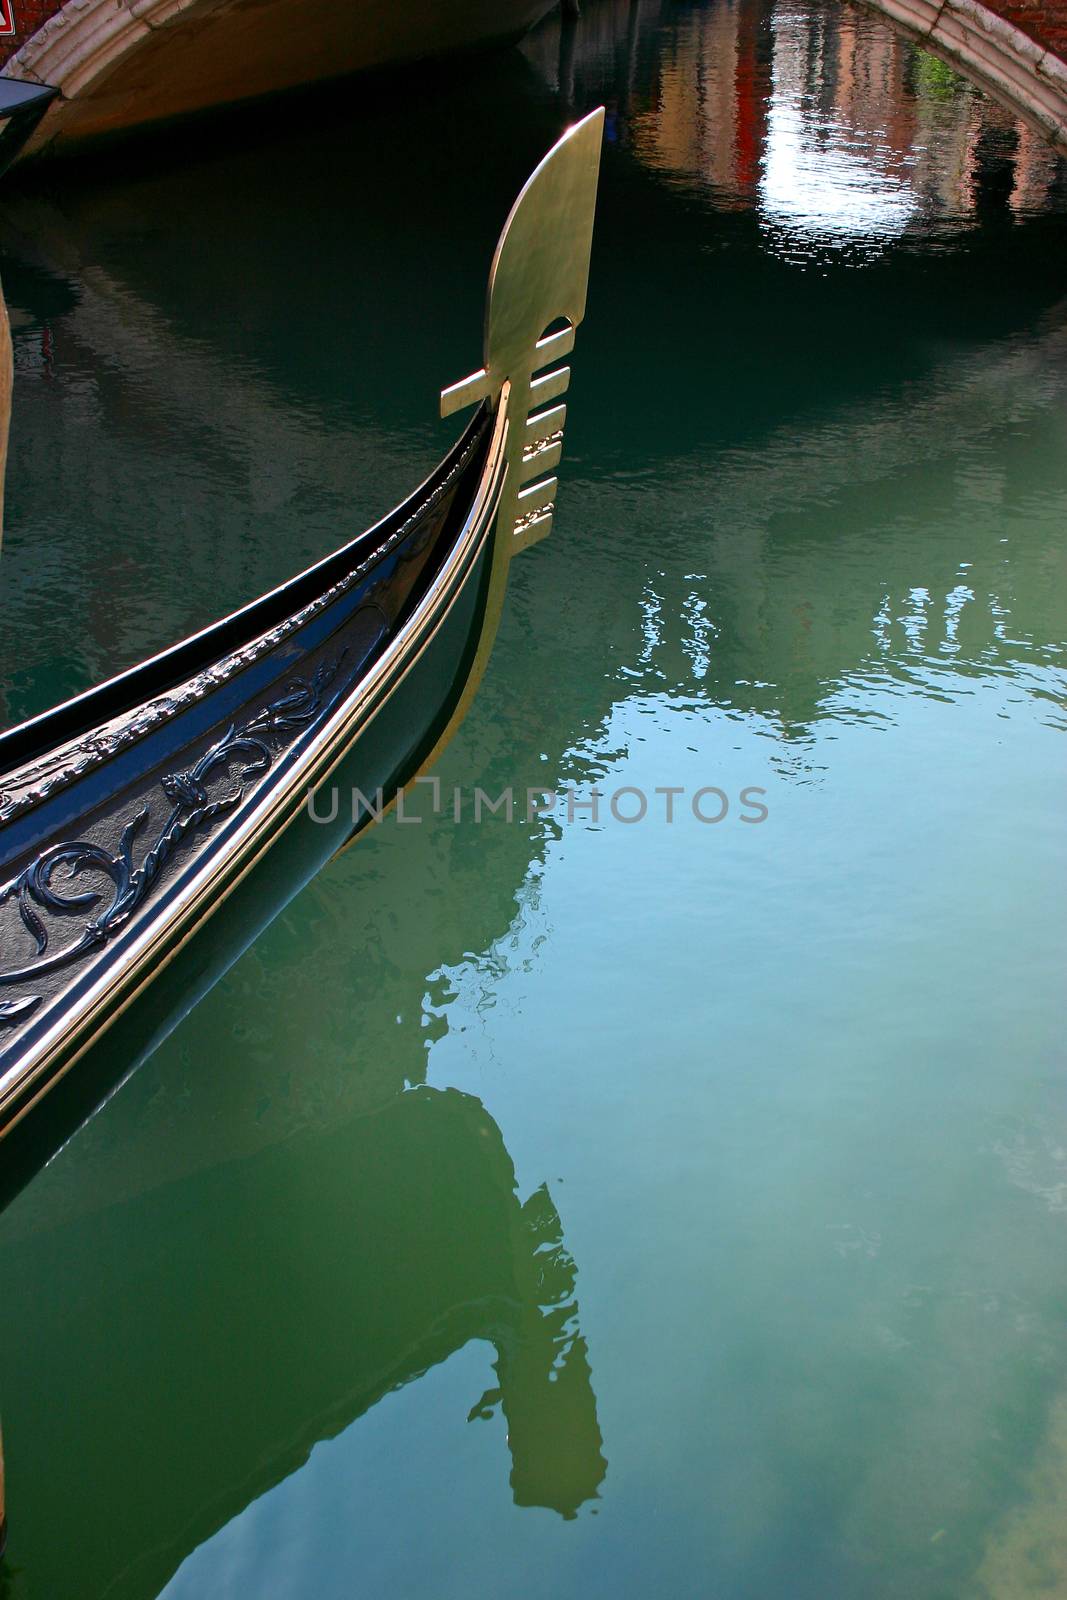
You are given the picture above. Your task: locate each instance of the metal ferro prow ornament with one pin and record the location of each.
(539, 277)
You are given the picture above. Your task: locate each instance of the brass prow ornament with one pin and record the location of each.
(539, 277)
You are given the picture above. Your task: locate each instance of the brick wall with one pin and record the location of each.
(1043, 20)
(28, 16)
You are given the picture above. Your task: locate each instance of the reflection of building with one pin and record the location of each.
(838, 122)
(341, 1265)
(710, 113)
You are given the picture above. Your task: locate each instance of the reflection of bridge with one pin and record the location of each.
(1018, 52)
(157, 1398)
(724, 74)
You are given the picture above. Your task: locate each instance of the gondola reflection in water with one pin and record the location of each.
(128, 815)
(160, 1435)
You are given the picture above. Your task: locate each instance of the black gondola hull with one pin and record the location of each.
(137, 851)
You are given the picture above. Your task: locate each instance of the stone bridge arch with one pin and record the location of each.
(118, 63)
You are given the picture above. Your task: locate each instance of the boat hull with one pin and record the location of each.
(117, 70)
(111, 894)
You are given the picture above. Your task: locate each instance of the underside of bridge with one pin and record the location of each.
(119, 63)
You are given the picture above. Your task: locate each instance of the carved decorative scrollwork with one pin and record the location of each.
(193, 808)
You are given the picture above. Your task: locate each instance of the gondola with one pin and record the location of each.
(130, 814)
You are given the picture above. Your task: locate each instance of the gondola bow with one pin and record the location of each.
(130, 814)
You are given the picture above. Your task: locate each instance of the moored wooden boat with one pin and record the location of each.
(130, 814)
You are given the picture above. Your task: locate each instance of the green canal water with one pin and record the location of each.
(573, 1207)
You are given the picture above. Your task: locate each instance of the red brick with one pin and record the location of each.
(29, 14)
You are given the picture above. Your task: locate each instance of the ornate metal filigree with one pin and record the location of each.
(193, 808)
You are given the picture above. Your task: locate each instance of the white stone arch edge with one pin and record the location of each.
(82, 40)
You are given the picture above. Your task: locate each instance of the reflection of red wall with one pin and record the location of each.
(28, 16)
(752, 92)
